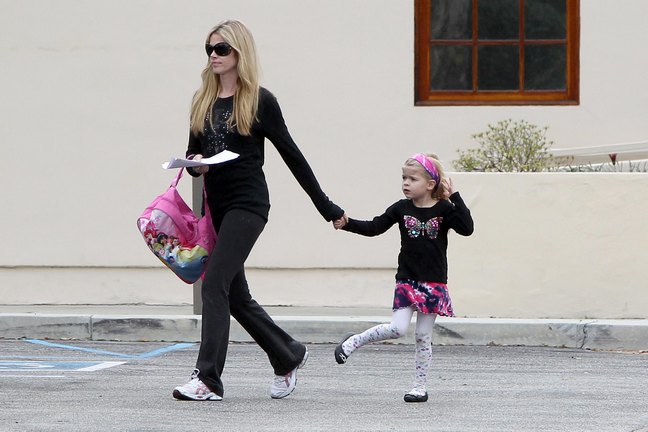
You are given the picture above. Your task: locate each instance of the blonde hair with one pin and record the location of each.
(246, 98)
(438, 191)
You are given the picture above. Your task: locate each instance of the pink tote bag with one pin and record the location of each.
(171, 230)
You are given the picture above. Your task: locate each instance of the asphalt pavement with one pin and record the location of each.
(67, 385)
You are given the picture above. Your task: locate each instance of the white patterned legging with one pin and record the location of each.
(401, 319)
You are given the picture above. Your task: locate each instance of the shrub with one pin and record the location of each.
(508, 146)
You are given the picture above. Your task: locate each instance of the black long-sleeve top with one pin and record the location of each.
(241, 183)
(424, 235)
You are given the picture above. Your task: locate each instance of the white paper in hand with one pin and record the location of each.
(221, 157)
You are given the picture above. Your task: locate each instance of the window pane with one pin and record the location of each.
(545, 19)
(451, 19)
(545, 67)
(498, 68)
(498, 19)
(450, 68)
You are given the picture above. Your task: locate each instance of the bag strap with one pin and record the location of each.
(205, 203)
(177, 179)
(174, 183)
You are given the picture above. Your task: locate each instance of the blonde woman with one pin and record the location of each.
(430, 209)
(231, 111)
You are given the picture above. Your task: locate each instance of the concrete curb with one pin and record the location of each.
(629, 335)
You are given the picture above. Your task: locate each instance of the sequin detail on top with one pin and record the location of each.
(425, 297)
(215, 131)
(417, 228)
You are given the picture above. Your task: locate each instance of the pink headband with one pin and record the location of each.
(428, 165)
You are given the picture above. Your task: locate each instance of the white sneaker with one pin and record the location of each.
(195, 390)
(283, 385)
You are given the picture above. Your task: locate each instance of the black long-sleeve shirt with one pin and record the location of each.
(424, 235)
(241, 183)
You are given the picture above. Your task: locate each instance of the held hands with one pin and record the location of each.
(340, 223)
(200, 169)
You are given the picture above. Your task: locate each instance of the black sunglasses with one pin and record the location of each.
(221, 49)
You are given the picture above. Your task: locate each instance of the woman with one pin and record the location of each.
(231, 111)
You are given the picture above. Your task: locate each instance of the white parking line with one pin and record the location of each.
(99, 366)
(40, 366)
(31, 376)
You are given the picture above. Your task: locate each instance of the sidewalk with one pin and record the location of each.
(311, 325)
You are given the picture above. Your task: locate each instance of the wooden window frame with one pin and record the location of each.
(426, 97)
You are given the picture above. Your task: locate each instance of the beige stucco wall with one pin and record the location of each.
(545, 245)
(95, 96)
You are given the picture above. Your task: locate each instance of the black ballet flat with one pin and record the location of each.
(409, 397)
(340, 357)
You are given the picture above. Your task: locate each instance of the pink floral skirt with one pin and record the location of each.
(425, 297)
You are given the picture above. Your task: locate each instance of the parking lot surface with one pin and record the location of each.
(126, 386)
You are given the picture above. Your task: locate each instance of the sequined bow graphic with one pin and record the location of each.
(417, 228)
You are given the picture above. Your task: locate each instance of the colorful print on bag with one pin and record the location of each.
(163, 240)
(176, 236)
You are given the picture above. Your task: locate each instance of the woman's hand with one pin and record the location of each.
(340, 223)
(200, 169)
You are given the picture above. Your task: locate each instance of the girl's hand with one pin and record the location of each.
(340, 223)
(448, 187)
(200, 169)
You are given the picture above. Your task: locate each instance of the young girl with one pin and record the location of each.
(231, 111)
(431, 208)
